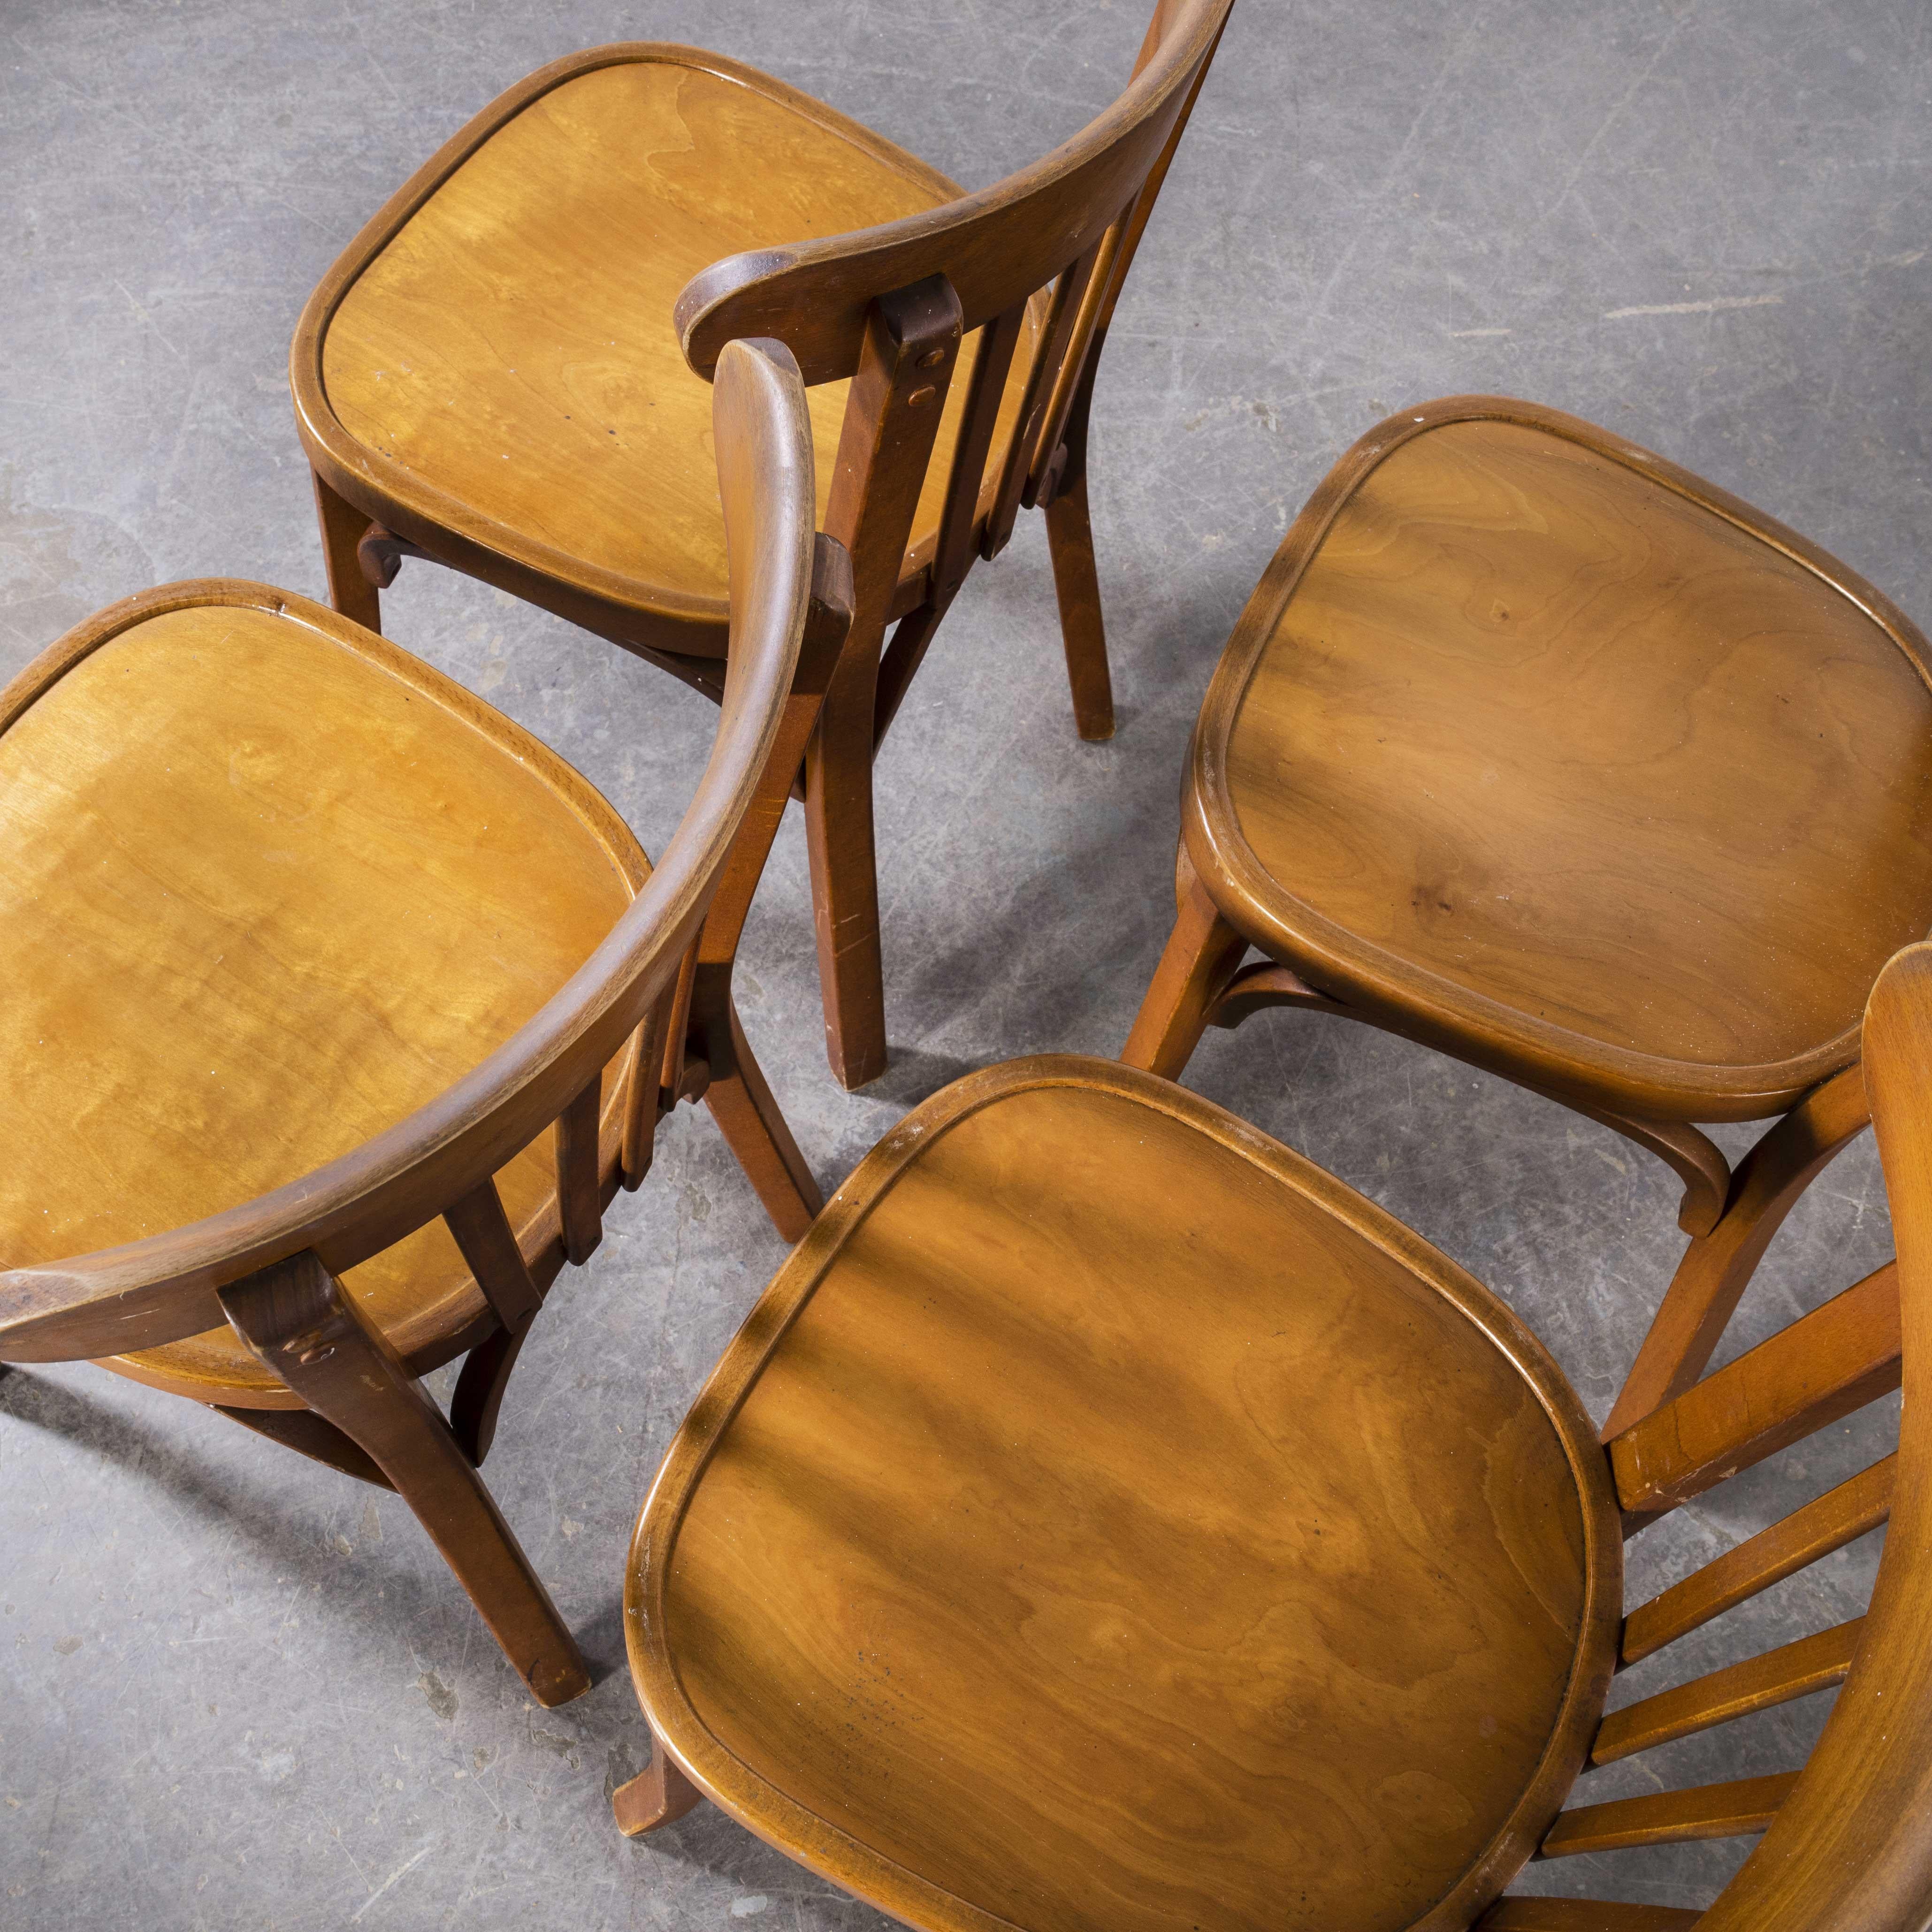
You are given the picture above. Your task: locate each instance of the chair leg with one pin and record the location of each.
(660, 1794)
(1069, 537)
(1717, 1268)
(342, 528)
(845, 875)
(747, 1114)
(295, 1317)
(1203, 952)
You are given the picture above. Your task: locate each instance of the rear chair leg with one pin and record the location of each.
(296, 1318)
(343, 527)
(747, 1115)
(1202, 954)
(1069, 537)
(661, 1795)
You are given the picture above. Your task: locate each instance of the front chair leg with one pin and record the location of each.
(343, 527)
(1070, 538)
(1202, 954)
(660, 1794)
(295, 1316)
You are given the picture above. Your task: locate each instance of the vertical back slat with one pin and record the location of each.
(1063, 317)
(992, 361)
(483, 1233)
(577, 1178)
(642, 1093)
(1072, 365)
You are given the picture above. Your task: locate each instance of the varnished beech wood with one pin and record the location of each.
(1582, 1915)
(1850, 1850)
(1813, 1663)
(917, 1594)
(1736, 1809)
(921, 1590)
(316, 967)
(1712, 1276)
(660, 1794)
(296, 1319)
(1852, 1510)
(1822, 1367)
(1537, 749)
(495, 376)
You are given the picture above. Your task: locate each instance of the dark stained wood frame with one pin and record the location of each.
(1844, 1844)
(270, 1267)
(890, 307)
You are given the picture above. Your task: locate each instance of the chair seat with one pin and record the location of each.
(267, 886)
(504, 361)
(1538, 740)
(1109, 1521)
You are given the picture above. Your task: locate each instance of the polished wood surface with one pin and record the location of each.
(1850, 1850)
(342, 880)
(255, 856)
(1738, 1808)
(510, 348)
(1828, 1523)
(1535, 740)
(1812, 1663)
(919, 1595)
(493, 376)
(1094, 1470)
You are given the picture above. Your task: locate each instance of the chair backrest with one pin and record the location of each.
(1847, 1842)
(1073, 220)
(441, 1160)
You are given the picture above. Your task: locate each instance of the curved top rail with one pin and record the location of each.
(1849, 1849)
(996, 246)
(146, 1293)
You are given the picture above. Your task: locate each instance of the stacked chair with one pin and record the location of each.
(1106, 1521)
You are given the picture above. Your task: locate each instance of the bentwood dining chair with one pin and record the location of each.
(505, 372)
(1108, 1522)
(335, 1005)
(1533, 747)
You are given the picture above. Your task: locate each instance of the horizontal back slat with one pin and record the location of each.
(1827, 1523)
(1792, 1670)
(1822, 1366)
(1732, 1810)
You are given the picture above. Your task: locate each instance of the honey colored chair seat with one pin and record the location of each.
(267, 885)
(1524, 741)
(501, 361)
(337, 1009)
(505, 372)
(1107, 1521)
(1535, 747)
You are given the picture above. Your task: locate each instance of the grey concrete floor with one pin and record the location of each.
(241, 1690)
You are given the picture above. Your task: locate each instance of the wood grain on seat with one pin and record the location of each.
(1108, 1520)
(512, 347)
(263, 894)
(1556, 736)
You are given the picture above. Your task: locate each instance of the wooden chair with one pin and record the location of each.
(1108, 1522)
(492, 376)
(1535, 747)
(336, 1005)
